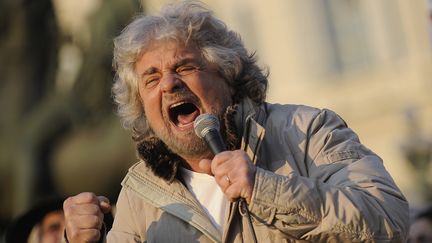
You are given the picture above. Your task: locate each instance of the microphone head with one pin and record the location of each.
(205, 123)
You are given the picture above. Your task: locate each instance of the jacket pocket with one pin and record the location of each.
(342, 155)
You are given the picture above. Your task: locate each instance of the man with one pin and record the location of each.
(43, 223)
(303, 175)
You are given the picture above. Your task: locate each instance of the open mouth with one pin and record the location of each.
(183, 114)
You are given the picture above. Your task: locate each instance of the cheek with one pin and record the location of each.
(214, 86)
(153, 119)
(151, 103)
(221, 90)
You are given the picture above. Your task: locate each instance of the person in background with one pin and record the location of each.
(52, 227)
(421, 227)
(290, 172)
(43, 223)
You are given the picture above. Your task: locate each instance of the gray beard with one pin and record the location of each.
(188, 145)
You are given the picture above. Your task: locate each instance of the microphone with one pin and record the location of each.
(207, 127)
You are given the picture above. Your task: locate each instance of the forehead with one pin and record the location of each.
(53, 217)
(164, 54)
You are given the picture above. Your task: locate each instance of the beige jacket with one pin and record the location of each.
(315, 182)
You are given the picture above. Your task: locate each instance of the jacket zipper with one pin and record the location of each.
(244, 211)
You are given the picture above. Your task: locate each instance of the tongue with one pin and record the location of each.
(185, 119)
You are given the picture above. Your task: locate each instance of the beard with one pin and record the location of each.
(188, 144)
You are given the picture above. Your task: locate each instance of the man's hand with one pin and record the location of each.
(234, 172)
(84, 217)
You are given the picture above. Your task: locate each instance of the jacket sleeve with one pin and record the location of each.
(345, 195)
(124, 226)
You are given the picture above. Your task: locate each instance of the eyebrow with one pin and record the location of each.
(149, 71)
(186, 61)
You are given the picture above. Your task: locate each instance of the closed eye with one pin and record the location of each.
(186, 70)
(151, 81)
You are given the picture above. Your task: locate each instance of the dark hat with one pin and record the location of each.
(19, 229)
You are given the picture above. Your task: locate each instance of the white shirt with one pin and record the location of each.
(208, 193)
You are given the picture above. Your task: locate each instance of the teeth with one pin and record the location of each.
(178, 104)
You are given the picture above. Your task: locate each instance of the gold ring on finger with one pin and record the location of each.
(227, 179)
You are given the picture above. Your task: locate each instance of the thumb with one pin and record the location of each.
(104, 204)
(205, 166)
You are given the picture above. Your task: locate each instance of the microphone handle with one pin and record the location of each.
(214, 141)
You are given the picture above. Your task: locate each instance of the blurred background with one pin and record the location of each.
(370, 61)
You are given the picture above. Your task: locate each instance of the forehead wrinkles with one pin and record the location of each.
(168, 52)
(163, 56)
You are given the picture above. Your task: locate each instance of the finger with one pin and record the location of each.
(237, 156)
(224, 182)
(88, 221)
(223, 175)
(85, 197)
(248, 198)
(222, 157)
(104, 204)
(232, 193)
(86, 235)
(246, 195)
(85, 209)
(223, 169)
(239, 190)
(205, 166)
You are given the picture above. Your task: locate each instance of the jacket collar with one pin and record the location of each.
(250, 120)
(172, 197)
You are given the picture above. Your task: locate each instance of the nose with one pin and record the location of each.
(170, 82)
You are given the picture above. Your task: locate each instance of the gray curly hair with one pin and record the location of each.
(183, 22)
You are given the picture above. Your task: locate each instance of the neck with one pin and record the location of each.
(192, 163)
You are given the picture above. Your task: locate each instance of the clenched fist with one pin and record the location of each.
(84, 217)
